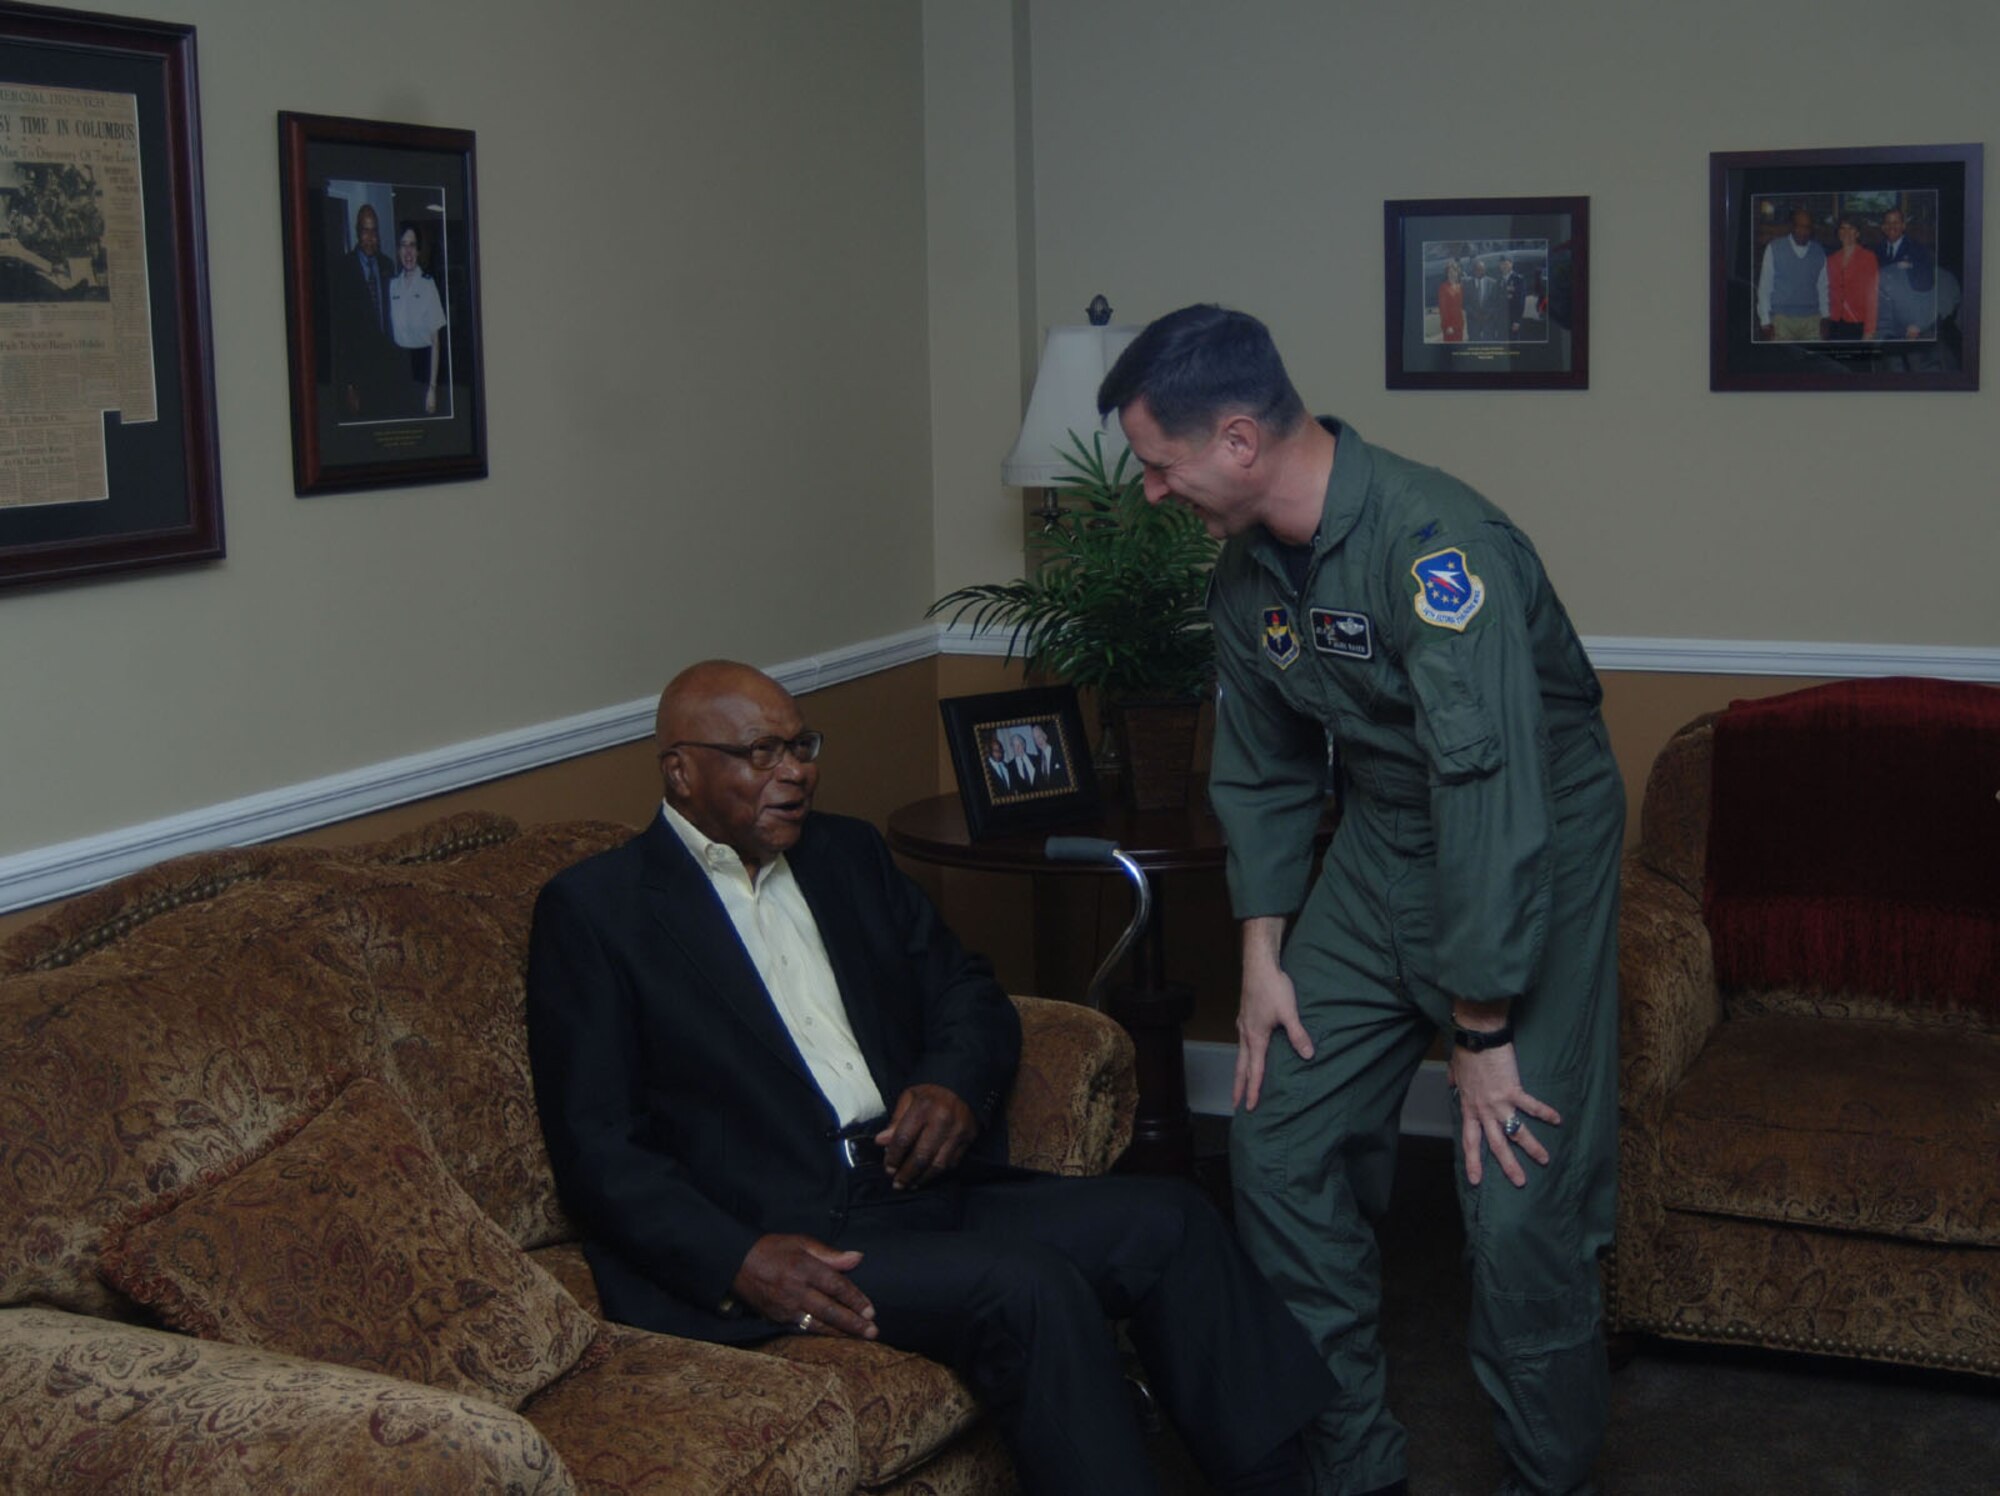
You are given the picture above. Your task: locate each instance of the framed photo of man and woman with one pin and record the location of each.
(1487, 293)
(381, 303)
(1021, 759)
(1845, 269)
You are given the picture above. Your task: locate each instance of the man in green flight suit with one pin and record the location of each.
(1382, 628)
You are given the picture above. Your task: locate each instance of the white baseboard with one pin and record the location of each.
(1834, 661)
(41, 874)
(1699, 657)
(1211, 1072)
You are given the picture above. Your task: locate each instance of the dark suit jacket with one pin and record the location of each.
(682, 1122)
(364, 355)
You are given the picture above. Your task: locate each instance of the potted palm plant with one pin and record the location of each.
(1115, 605)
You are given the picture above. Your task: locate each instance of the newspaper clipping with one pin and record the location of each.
(75, 318)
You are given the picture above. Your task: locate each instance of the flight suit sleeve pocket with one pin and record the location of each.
(1459, 736)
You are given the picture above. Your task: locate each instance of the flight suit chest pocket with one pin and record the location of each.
(1457, 730)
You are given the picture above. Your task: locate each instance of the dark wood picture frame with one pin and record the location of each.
(1533, 335)
(1752, 198)
(370, 410)
(999, 799)
(74, 241)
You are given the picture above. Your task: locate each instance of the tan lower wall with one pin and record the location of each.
(885, 745)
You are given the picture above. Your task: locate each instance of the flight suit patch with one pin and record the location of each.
(1448, 594)
(1336, 632)
(1280, 643)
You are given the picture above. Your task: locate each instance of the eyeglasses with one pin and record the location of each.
(763, 755)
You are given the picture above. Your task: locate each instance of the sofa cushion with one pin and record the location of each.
(93, 1406)
(1845, 1125)
(906, 1408)
(350, 1243)
(686, 1418)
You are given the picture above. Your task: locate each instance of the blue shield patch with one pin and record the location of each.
(1280, 643)
(1448, 594)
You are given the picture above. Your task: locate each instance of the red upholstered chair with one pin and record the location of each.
(1810, 1072)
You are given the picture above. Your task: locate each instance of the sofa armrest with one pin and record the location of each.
(1668, 1000)
(85, 1402)
(1070, 1111)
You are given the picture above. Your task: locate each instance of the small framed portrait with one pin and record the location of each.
(381, 303)
(1021, 759)
(1487, 293)
(1844, 269)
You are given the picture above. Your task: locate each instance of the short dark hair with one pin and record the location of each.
(1197, 364)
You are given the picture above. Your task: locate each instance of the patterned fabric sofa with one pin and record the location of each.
(1810, 1030)
(280, 1097)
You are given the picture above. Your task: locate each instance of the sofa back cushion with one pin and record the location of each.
(162, 1028)
(445, 948)
(1851, 839)
(173, 1052)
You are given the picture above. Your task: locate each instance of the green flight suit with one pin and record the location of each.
(1477, 858)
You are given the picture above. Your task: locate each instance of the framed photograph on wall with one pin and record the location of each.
(381, 303)
(1844, 269)
(1021, 759)
(1487, 293)
(108, 453)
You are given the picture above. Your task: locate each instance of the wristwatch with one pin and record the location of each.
(1476, 1041)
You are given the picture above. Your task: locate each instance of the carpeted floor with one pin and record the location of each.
(1684, 1419)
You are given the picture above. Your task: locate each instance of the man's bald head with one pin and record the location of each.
(692, 697)
(709, 709)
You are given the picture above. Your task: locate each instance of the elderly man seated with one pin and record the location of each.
(771, 1082)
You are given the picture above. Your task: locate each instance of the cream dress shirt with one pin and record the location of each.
(777, 928)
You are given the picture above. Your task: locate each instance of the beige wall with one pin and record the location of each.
(702, 234)
(1190, 151)
(762, 285)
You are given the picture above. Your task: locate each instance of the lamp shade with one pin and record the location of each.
(1075, 359)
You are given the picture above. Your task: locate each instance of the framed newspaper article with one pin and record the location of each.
(107, 397)
(381, 303)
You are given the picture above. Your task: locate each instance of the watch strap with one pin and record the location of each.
(1477, 1041)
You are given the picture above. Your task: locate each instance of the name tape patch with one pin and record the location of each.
(1338, 632)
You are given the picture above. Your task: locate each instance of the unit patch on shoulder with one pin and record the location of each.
(1448, 594)
(1280, 643)
(1340, 633)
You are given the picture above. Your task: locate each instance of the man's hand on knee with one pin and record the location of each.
(1269, 1003)
(927, 1136)
(803, 1283)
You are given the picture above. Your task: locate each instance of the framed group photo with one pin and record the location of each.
(108, 450)
(381, 303)
(1845, 269)
(1487, 293)
(1021, 759)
